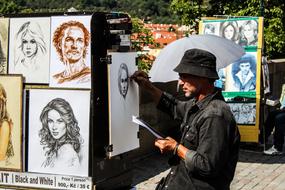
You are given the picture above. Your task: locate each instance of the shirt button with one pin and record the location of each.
(166, 186)
(171, 173)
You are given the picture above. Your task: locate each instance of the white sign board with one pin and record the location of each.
(44, 181)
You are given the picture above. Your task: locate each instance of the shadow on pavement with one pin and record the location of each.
(253, 153)
(149, 167)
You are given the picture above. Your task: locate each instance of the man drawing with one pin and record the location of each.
(71, 40)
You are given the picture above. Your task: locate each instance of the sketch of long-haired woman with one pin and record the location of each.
(60, 135)
(6, 124)
(29, 49)
(2, 59)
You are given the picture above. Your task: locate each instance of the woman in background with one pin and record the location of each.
(6, 124)
(60, 136)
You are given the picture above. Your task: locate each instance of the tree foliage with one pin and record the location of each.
(172, 11)
(142, 37)
(8, 7)
(190, 13)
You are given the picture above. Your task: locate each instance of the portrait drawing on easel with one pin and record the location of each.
(124, 103)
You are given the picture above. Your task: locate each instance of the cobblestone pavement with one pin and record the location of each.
(254, 171)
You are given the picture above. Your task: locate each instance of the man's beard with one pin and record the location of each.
(193, 94)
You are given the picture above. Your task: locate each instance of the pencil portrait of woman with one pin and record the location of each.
(2, 59)
(6, 125)
(60, 136)
(4, 22)
(249, 33)
(30, 55)
(229, 30)
(123, 80)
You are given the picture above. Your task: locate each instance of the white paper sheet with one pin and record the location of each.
(148, 127)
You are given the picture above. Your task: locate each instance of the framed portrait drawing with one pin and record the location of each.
(70, 52)
(243, 31)
(123, 103)
(211, 28)
(58, 131)
(241, 75)
(4, 22)
(11, 122)
(29, 48)
(244, 113)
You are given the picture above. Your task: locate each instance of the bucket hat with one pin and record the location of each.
(198, 62)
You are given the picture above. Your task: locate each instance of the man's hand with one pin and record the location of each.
(142, 79)
(165, 145)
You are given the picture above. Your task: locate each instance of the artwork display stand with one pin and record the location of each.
(240, 81)
(95, 140)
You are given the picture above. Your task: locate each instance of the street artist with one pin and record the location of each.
(206, 156)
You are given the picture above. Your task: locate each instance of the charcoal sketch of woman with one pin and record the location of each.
(60, 136)
(229, 30)
(29, 52)
(249, 32)
(123, 80)
(6, 124)
(2, 58)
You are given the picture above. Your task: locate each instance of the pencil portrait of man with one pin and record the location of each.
(71, 40)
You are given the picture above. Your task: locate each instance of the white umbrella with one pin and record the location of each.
(226, 52)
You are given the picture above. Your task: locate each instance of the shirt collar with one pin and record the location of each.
(205, 101)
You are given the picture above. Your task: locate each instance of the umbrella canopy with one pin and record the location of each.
(226, 52)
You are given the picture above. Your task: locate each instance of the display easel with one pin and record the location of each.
(249, 129)
(110, 32)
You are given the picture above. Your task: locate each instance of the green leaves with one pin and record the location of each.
(274, 17)
(8, 7)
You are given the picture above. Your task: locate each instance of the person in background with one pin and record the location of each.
(206, 155)
(276, 120)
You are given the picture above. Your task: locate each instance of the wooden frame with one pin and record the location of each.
(12, 100)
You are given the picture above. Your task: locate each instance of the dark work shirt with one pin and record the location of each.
(210, 133)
